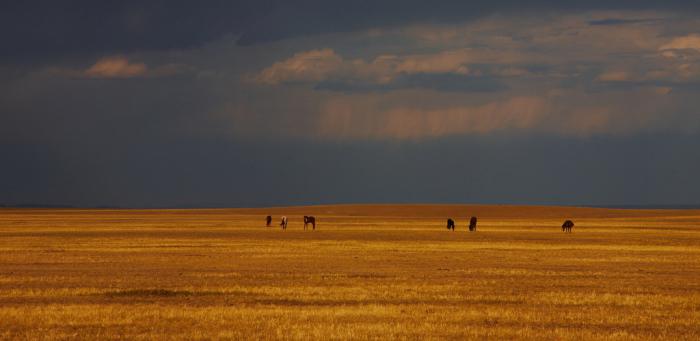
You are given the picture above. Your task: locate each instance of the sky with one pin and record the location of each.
(268, 103)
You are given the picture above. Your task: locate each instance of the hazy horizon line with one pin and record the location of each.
(254, 206)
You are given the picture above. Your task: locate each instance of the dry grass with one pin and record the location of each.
(368, 272)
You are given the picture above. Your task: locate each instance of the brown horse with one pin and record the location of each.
(268, 221)
(472, 224)
(450, 224)
(567, 226)
(310, 220)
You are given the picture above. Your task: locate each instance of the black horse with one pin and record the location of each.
(472, 224)
(310, 220)
(450, 224)
(268, 221)
(567, 226)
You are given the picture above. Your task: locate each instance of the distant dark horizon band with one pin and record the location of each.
(630, 207)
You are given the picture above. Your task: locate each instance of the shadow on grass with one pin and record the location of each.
(160, 293)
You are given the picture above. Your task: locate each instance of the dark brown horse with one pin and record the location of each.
(450, 224)
(268, 221)
(310, 220)
(472, 224)
(567, 226)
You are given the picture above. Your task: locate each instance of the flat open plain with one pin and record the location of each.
(367, 272)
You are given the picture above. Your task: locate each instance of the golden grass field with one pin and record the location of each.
(367, 272)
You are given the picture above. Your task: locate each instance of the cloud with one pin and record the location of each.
(689, 42)
(444, 82)
(45, 30)
(288, 20)
(681, 60)
(487, 76)
(119, 67)
(419, 114)
(495, 47)
(619, 21)
(307, 66)
(342, 120)
(442, 62)
(329, 70)
(663, 90)
(116, 67)
(614, 76)
(354, 119)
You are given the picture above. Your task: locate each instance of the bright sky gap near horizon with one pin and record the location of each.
(258, 103)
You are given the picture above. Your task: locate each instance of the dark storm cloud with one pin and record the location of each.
(292, 19)
(40, 30)
(152, 103)
(55, 110)
(32, 30)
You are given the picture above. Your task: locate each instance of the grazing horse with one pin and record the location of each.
(567, 225)
(283, 223)
(472, 224)
(268, 221)
(450, 224)
(310, 220)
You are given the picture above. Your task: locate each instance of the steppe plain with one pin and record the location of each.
(366, 272)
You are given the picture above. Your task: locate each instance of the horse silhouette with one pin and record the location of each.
(310, 220)
(567, 226)
(472, 224)
(450, 224)
(283, 223)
